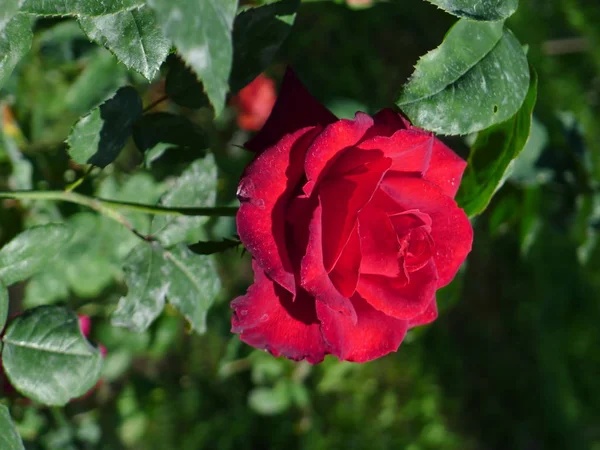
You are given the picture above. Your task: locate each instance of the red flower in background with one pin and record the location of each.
(352, 227)
(254, 103)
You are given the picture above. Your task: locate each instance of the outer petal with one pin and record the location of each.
(387, 122)
(428, 316)
(331, 142)
(264, 190)
(398, 298)
(267, 318)
(379, 243)
(372, 336)
(295, 108)
(450, 228)
(313, 276)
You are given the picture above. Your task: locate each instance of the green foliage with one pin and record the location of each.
(147, 47)
(7, 10)
(202, 33)
(3, 306)
(155, 275)
(182, 86)
(15, 40)
(99, 137)
(46, 357)
(78, 7)
(492, 154)
(31, 251)
(479, 10)
(166, 128)
(484, 84)
(9, 436)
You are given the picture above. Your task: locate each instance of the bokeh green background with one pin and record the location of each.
(513, 361)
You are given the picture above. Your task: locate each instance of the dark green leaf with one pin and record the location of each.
(196, 187)
(99, 137)
(257, 35)
(182, 86)
(3, 306)
(30, 251)
(146, 47)
(77, 7)
(201, 30)
(478, 77)
(154, 275)
(210, 247)
(479, 9)
(491, 155)
(15, 41)
(167, 128)
(9, 436)
(47, 358)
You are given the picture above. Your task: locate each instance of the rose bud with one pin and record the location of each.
(352, 228)
(254, 103)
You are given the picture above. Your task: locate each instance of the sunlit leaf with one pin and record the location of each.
(8, 8)
(30, 251)
(46, 357)
(491, 155)
(99, 137)
(201, 30)
(146, 47)
(15, 41)
(479, 9)
(478, 77)
(77, 7)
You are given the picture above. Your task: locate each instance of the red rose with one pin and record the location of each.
(254, 103)
(352, 227)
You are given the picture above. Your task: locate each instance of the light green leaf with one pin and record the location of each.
(78, 7)
(3, 306)
(478, 77)
(99, 137)
(46, 288)
(270, 401)
(15, 41)
(9, 436)
(30, 251)
(492, 154)
(196, 187)
(8, 8)
(146, 47)
(479, 9)
(201, 30)
(154, 275)
(47, 358)
(257, 35)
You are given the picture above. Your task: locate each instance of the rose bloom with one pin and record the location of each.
(352, 228)
(254, 103)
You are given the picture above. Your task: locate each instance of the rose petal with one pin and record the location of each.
(428, 316)
(345, 273)
(342, 199)
(267, 318)
(295, 108)
(373, 335)
(314, 278)
(387, 122)
(450, 228)
(398, 298)
(330, 143)
(378, 242)
(264, 190)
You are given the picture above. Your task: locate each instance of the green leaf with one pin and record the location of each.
(182, 86)
(3, 305)
(15, 41)
(146, 47)
(257, 35)
(167, 128)
(196, 187)
(99, 137)
(210, 247)
(9, 436)
(270, 401)
(47, 358)
(478, 77)
(78, 7)
(479, 9)
(30, 251)
(492, 154)
(201, 30)
(155, 275)
(8, 9)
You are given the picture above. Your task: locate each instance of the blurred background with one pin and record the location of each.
(512, 363)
